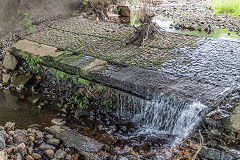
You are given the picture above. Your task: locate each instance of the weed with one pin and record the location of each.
(131, 2)
(116, 10)
(134, 22)
(32, 63)
(27, 22)
(226, 6)
(85, 3)
(60, 74)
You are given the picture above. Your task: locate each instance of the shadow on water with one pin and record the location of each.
(15, 108)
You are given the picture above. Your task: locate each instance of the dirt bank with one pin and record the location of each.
(12, 14)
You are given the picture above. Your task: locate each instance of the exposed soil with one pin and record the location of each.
(12, 14)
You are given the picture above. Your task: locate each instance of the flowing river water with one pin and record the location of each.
(160, 122)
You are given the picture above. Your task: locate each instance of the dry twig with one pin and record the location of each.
(200, 146)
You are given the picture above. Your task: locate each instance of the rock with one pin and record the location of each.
(2, 142)
(32, 138)
(83, 144)
(213, 154)
(20, 80)
(60, 154)
(215, 131)
(124, 11)
(208, 29)
(19, 138)
(39, 135)
(10, 150)
(36, 156)
(4, 70)
(58, 122)
(53, 141)
(49, 153)
(46, 147)
(75, 156)
(19, 156)
(3, 155)
(6, 78)
(9, 126)
(234, 153)
(68, 157)
(55, 129)
(9, 61)
(48, 136)
(30, 148)
(28, 157)
(21, 148)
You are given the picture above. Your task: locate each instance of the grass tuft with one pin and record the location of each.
(226, 6)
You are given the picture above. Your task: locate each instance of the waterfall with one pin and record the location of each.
(161, 115)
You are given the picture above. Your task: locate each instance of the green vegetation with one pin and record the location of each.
(134, 22)
(226, 6)
(85, 3)
(32, 63)
(116, 10)
(27, 22)
(60, 74)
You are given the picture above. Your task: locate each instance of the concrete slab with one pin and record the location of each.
(36, 48)
(193, 68)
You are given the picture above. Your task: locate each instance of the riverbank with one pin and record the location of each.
(33, 144)
(113, 117)
(198, 12)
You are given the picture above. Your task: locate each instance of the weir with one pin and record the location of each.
(162, 115)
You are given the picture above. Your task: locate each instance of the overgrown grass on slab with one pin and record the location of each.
(226, 6)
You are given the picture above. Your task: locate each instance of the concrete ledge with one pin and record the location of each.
(135, 80)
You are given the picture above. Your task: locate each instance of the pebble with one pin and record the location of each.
(68, 157)
(53, 141)
(60, 154)
(32, 138)
(48, 136)
(58, 122)
(19, 138)
(9, 126)
(28, 157)
(46, 147)
(49, 153)
(36, 156)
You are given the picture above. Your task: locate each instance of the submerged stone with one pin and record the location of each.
(21, 80)
(86, 146)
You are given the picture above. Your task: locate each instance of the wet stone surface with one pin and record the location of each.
(215, 62)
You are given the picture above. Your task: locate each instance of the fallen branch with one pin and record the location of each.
(200, 146)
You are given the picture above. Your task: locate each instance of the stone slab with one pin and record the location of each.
(36, 48)
(190, 67)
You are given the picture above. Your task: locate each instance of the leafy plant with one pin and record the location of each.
(134, 22)
(116, 10)
(32, 63)
(226, 6)
(60, 74)
(27, 22)
(131, 2)
(85, 3)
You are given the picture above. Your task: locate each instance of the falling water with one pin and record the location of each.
(162, 115)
